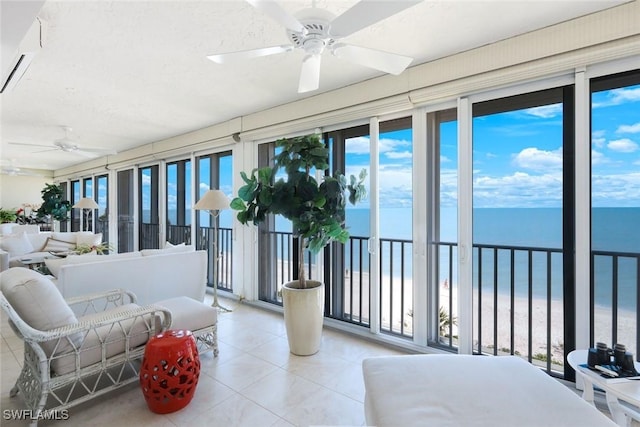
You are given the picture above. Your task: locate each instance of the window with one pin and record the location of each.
(148, 215)
(615, 209)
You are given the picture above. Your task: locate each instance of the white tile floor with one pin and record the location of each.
(254, 381)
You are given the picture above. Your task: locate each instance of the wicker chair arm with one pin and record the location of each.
(113, 294)
(37, 336)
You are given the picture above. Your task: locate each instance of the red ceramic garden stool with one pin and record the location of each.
(170, 370)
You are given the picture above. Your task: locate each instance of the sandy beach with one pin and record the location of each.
(393, 316)
(396, 316)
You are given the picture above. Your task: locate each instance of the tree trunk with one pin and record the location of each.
(301, 272)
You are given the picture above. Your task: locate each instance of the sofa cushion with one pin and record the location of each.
(38, 240)
(168, 250)
(5, 229)
(39, 303)
(113, 335)
(55, 264)
(16, 245)
(88, 239)
(55, 245)
(69, 237)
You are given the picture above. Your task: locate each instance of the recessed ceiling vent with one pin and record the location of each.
(30, 45)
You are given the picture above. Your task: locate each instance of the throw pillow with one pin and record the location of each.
(88, 239)
(54, 245)
(65, 236)
(39, 303)
(16, 245)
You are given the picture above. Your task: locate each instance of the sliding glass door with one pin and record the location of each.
(523, 226)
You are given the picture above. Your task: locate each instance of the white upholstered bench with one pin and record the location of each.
(457, 390)
(201, 319)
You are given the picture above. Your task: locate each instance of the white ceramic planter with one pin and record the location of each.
(303, 316)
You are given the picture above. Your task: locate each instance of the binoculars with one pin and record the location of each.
(617, 359)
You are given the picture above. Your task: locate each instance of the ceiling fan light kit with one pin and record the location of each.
(316, 30)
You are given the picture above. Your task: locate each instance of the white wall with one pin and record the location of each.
(15, 190)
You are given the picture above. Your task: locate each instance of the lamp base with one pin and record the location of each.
(216, 304)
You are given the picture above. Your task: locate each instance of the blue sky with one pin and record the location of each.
(517, 157)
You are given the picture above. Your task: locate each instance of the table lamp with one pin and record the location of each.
(214, 201)
(86, 205)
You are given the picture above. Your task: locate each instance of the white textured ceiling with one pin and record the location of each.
(126, 73)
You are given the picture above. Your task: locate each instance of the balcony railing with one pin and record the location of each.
(204, 241)
(615, 289)
(177, 234)
(518, 301)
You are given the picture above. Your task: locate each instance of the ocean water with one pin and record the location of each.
(613, 229)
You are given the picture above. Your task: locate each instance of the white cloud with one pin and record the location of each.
(518, 190)
(619, 96)
(204, 187)
(444, 159)
(545, 111)
(616, 190)
(597, 158)
(533, 158)
(358, 145)
(399, 154)
(624, 145)
(597, 138)
(635, 128)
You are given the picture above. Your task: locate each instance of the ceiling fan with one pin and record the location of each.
(10, 168)
(69, 145)
(315, 30)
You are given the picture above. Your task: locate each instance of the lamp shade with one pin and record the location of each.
(213, 200)
(86, 203)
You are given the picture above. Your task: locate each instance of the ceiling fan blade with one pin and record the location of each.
(278, 14)
(384, 61)
(223, 58)
(29, 145)
(365, 13)
(310, 74)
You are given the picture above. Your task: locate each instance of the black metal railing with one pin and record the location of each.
(149, 233)
(396, 295)
(283, 247)
(224, 272)
(518, 306)
(177, 234)
(615, 296)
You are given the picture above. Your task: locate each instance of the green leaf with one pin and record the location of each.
(265, 198)
(264, 175)
(246, 192)
(237, 204)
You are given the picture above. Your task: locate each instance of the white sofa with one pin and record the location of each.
(151, 275)
(30, 243)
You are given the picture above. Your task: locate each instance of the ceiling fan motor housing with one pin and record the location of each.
(317, 23)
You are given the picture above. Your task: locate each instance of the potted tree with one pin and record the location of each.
(316, 210)
(53, 207)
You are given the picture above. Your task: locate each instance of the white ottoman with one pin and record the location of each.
(201, 319)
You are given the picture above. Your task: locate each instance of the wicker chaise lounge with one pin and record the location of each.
(85, 347)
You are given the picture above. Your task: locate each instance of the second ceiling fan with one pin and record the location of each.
(315, 30)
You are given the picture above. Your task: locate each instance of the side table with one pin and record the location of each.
(170, 371)
(616, 391)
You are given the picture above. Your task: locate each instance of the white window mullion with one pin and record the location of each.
(136, 207)
(420, 227)
(465, 227)
(582, 208)
(374, 244)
